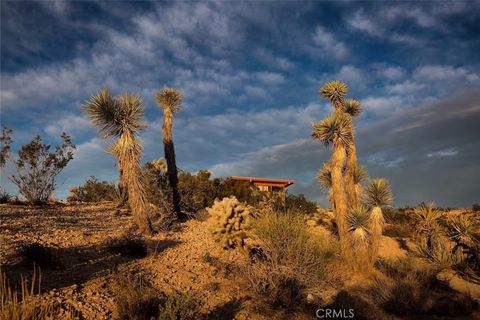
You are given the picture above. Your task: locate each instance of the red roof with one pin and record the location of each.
(265, 181)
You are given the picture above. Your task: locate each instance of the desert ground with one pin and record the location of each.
(87, 252)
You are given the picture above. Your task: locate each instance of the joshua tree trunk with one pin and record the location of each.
(376, 228)
(131, 177)
(172, 172)
(340, 202)
(352, 196)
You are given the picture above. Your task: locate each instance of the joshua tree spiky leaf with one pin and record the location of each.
(333, 90)
(324, 176)
(464, 230)
(360, 174)
(358, 219)
(334, 129)
(428, 227)
(115, 117)
(169, 98)
(378, 193)
(352, 107)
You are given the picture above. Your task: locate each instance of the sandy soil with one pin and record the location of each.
(185, 259)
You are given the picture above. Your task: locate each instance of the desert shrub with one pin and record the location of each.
(229, 221)
(120, 195)
(400, 216)
(93, 190)
(37, 167)
(294, 259)
(300, 204)
(430, 233)
(134, 299)
(476, 207)
(404, 289)
(464, 230)
(4, 196)
(6, 141)
(183, 306)
(196, 191)
(38, 255)
(408, 289)
(156, 186)
(128, 246)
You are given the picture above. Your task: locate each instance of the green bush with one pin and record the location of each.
(93, 190)
(292, 258)
(184, 306)
(300, 204)
(4, 196)
(36, 168)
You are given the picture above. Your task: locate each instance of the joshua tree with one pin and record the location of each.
(376, 195)
(352, 108)
(336, 130)
(335, 91)
(170, 100)
(466, 234)
(428, 226)
(121, 119)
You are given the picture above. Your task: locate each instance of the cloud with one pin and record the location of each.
(443, 153)
(361, 22)
(398, 155)
(328, 45)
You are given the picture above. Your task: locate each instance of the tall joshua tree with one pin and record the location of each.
(335, 91)
(170, 100)
(121, 119)
(335, 130)
(376, 195)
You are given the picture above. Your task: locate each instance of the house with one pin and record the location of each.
(266, 184)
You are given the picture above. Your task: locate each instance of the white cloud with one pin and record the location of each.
(381, 104)
(361, 22)
(327, 43)
(444, 73)
(351, 75)
(443, 153)
(69, 123)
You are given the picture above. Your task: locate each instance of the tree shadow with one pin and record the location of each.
(77, 265)
(226, 310)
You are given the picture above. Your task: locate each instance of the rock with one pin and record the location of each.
(390, 249)
(311, 299)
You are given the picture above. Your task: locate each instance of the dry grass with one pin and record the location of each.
(27, 304)
(183, 306)
(134, 299)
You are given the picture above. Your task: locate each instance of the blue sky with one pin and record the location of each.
(250, 73)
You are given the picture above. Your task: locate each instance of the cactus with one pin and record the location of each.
(230, 219)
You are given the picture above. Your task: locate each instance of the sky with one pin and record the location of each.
(250, 73)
